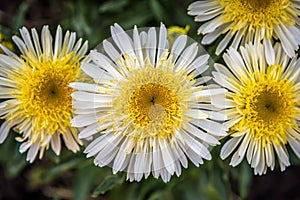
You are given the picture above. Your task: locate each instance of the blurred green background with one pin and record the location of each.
(72, 176)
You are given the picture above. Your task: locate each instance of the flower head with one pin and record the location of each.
(262, 106)
(37, 88)
(245, 21)
(148, 108)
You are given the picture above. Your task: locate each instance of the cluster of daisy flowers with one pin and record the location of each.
(144, 100)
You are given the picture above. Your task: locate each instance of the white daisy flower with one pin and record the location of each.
(245, 21)
(35, 88)
(148, 109)
(262, 106)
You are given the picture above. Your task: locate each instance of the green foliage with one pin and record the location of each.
(108, 183)
(10, 157)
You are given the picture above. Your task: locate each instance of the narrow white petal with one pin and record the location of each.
(229, 147)
(122, 40)
(58, 42)
(102, 61)
(162, 41)
(91, 97)
(32, 153)
(269, 52)
(178, 46)
(70, 142)
(56, 143)
(282, 155)
(211, 127)
(4, 130)
(151, 45)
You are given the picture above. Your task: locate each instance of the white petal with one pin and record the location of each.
(122, 40)
(91, 97)
(85, 86)
(162, 41)
(240, 153)
(191, 129)
(295, 145)
(223, 44)
(211, 127)
(92, 129)
(178, 46)
(102, 61)
(56, 143)
(24, 146)
(138, 46)
(32, 153)
(98, 144)
(58, 42)
(121, 155)
(269, 52)
(4, 130)
(151, 45)
(26, 37)
(84, 120)
(167, 156)
(229, 147)
(198, 147)
(186, 57)
(70, 142)
(282, 155)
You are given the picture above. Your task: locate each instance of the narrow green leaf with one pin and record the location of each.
(107, 184)
(110, 6)
(59, 169)
(245, 179)
(20, 15)
(157, 10)
(84, 180)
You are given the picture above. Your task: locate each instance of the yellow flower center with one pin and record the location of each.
(44, 92)
(255, 14)
(151, 100)
(268, 108)
(155, 105)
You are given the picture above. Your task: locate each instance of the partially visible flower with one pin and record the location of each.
(180, 30)
(35, 86)
(263, 106)
(149, 108)
(245, 21)
(6, 42)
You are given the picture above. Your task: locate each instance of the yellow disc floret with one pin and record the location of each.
(153, 99)
(268, 107)
(154, 103)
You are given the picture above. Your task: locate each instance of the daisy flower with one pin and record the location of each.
(35, 88)
(262, 105)
(245, 21)
(148, 109)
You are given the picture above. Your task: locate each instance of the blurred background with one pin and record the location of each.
(72, 176)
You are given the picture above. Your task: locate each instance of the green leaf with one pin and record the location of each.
(84, 180)
(115, 6)
(245, 179)
(11, 158)
(157, 10)
(59, 169)
(107, 184)
(6, 31)
(20, 15)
